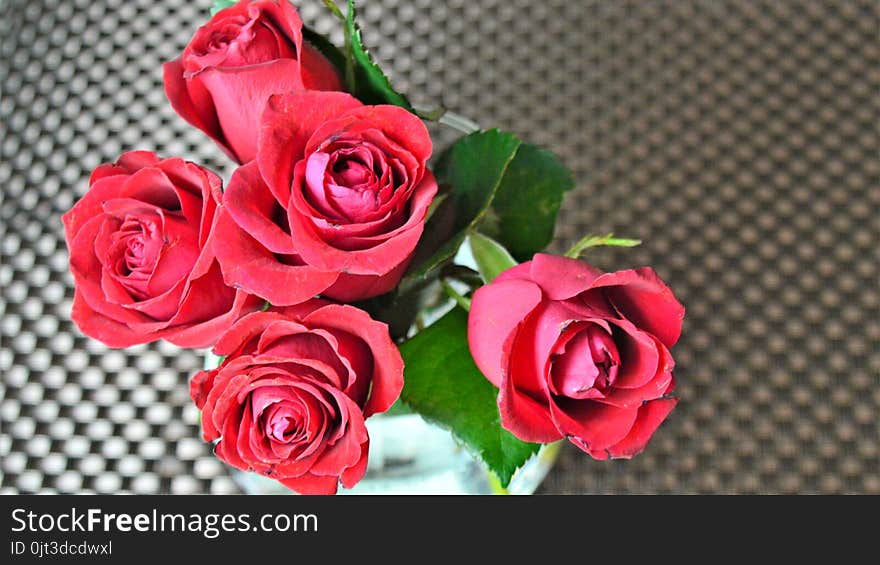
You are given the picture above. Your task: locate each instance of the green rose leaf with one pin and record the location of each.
(469, 174)
(363, 77)
(495, 184)
(372, 86)
(491, 257)
(221, 4)
(523, 215)
(444, 386)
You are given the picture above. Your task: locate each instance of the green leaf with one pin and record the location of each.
(363, 77)
(435, 204)
(397, 409)
(491, 257)
(221, 4)
(523, 216)
(596, 240)
(443, 385)
(493, 183)
(469, 172)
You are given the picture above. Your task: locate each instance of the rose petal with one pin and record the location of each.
(157, 310)
(561, 277)
(591, 425)
(286, 124)
(644, 299)
(199, 386)
(106, 330)
(178, 255)
(404, 127)
(517, 272)
(148, 187)
(254, 209)
(317, 72)
(651, 415)
(311, 484)
(354, 474)
(387, 371)
(525, 417)
(193, 103)
(245, 331)
(305, 347)
(530, 354)
(225, 449)
(656, 387)
(489, 326)
(352, 288)
(248, 265)
(369, 234)
(639, 355)
(240, 94)
(377, 260)
(126, 164)
(203, 329)
(573, 371)
(347, 451)
(87, 273)
(88, 207)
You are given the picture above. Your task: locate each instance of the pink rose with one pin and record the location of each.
(577, 353)
(233, 63)
(334, 203)
(141, 255)
(290, 399)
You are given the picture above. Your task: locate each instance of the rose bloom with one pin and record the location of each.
(577, 353)
(334, 203)
(290, 399)
(141, 255)
(233, 63)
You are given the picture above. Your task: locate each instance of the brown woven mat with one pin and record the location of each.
(738, 139)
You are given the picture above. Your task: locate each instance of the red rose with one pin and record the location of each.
(140, 253)
(289, 400)
(578, 354)
(334, 203)
(232, 64)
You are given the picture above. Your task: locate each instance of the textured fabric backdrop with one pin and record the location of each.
(738, 139)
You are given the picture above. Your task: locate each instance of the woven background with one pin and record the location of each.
(739, 139)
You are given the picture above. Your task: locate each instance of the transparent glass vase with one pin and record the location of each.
(411, 456)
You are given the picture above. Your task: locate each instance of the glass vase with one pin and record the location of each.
(409, 455)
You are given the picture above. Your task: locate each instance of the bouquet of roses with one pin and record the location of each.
(336, 275)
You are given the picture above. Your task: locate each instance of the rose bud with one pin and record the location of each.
(290, 399)
(141, 255)
(334, 203)
(577, 353)
(233, 63)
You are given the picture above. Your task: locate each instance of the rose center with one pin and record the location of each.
(239, 40)
(283, 425)
(134, 254)
(134, 250)
(604, 355)
(283, 417)
(587, 364)
(221, 39)
(351, 173)
(353, 181)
